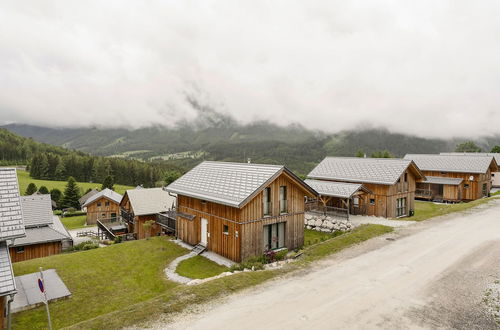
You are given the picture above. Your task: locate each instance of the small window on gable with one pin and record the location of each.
(106, 203)
(443, 173)
(225, 230)
(372, 201)
(203, 202)
(406, 177)
(98, 204)
(20, 249)
(466, 186)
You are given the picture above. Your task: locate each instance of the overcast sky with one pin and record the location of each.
(430, 68)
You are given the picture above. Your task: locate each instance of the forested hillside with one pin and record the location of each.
(55, 163)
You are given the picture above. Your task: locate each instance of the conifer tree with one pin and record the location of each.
(108, 183)
(71, 194)
(31, 189)
(43, 190)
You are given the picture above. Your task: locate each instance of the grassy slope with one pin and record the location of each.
(74, 222)
(102, 280)
(427, 210)
(25, 179)
(182, 296)
(199, 267)
(313, 237)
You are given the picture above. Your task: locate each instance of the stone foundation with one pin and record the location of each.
(326, 223)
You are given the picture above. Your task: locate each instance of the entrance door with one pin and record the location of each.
(204, 232)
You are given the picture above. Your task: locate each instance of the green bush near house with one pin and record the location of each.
(199, 267)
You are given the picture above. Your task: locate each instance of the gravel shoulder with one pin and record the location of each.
(429, 275)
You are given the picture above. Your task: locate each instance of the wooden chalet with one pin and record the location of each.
(338, 199)
(495, 175)
(388, 185)
(11, 228)
(85, 197)
(142, 204)
(45, 234)
(454, 178)
(104, 205)
(240, 210)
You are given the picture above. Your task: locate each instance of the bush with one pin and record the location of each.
(75, 213)
(83, 246)
(270, 256)
(57, 212)
(118, 239)
(281, 255)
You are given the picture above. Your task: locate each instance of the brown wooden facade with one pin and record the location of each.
(473, 186)
(33, 251)
(102, 208)
(238, 233)
(382, 200)
(137, 225)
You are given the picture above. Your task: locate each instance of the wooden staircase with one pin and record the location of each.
(198, 249)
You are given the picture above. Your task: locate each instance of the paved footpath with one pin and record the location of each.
(432, 275)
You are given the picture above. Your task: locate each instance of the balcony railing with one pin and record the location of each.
(335, 212)
(423, 193)
(167, 220)
(126, 216)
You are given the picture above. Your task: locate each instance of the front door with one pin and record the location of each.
(204, 232)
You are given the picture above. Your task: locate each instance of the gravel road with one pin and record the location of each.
(433, 275)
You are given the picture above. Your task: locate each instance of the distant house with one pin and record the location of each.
(387, 185)
(45, 234)
(11, 227)
(104, 205)
(495, 176)
(85, 197)
(240, 210)
(142, 204)
(454, 178)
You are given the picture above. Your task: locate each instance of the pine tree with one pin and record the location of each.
(71, 195)
(496, 149)
(31, 189)
(108, 183)
(44, 167)
(35, 166)
(55, 195)
(43, 190)
(468, 146)
(60, 173)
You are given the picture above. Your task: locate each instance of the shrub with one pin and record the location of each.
(270, 256)
(83, 246)
(75, 213)
(281, 255)
(118, 239)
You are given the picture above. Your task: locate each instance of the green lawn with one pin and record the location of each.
(313, 237)
(25, 179)
(102, 281)
(427, 210)
(182, 296)
(199, 267)
(74, 222)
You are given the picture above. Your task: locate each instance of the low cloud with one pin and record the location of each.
(427, 68)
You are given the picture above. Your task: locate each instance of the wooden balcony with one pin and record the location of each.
(319, 208)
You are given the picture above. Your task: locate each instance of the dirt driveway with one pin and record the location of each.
(433, 275)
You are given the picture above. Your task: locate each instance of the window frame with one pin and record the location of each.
(267, 202)
(283, 201)
(20, 249)
(225, 229)
(401, 207)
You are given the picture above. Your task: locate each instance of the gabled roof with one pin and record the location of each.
(84, 198)
(494, 155)
(232, 184)
(37, 210)
(336, 189)
(386, 171)
(453, 163)
(149, 200)
(106, 193)
(7, 283)
(443, 180)
(11, 216)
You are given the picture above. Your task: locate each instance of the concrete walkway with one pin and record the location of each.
(358, 220)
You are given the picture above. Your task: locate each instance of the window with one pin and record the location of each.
(466, 186)
(225, 230)
(106, 203)
(267, 201)
(283, 201)
(113, 216)
(406, 177)
(274, 236)
(98, 204)
(372, 201)
(20, 249)
(355, 201)
(485, 189)
(401, 207)
(492, 175)
(103, 216)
